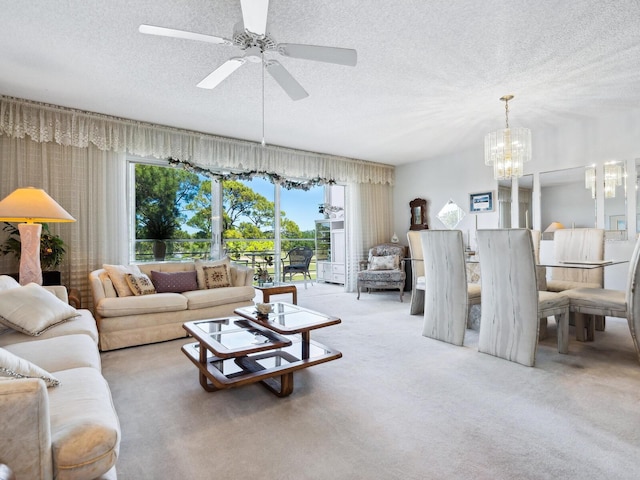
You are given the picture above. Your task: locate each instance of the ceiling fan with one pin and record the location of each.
(251, 36)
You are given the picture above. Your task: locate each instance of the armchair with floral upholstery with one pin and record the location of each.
(384, 269)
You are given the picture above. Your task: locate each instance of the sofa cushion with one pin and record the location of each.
(199, 264)
(7, 282)
(160, 302)
(117, 276)
(218, 296)
(140, 284)
(384, 262)
(32, 309)
(237, 276)
(85, 432)
(107, 284)
(216, 276)
(59, 353)
(13, 366)
(174, 282)
(84, 323)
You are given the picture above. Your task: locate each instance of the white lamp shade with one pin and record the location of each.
(30, 205)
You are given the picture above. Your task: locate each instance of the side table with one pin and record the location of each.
(75, 297)
(277, 289)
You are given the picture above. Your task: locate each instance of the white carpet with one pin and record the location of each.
(396, 406)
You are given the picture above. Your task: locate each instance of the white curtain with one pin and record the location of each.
(88, 183)
(369, 222)
(48, 123)
(79, 159)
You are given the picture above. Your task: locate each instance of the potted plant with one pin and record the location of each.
(159, 228)
(52, 251)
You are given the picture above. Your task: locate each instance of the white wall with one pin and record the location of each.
(573, 144)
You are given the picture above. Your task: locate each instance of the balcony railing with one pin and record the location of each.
(250, 252)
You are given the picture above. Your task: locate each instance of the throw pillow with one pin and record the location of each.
(13, 366)
(200, 264)
(174, 282)
(384, 262)
(217, 276)
(140, 284)
(33, 309)
(7, 282)
(117, 275)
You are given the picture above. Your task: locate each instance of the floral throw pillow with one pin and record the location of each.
(117, 275)
(385, 262)
(217, 276)
(140, 284)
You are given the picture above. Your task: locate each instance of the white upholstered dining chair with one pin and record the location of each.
(587, 302)
(511, 302)
(583, 244)
(446, 299)
(417, 272)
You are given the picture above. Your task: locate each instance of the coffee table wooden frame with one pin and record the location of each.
(207, 354)
(278, 289)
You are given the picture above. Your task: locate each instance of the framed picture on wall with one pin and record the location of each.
(481, 202)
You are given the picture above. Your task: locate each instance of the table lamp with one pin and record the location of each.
(30, 205)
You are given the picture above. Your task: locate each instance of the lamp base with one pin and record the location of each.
(30, 270)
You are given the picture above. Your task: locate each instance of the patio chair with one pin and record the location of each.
(296, 261)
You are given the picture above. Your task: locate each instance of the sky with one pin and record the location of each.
(299, 205)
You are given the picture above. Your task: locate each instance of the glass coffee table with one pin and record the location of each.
(236, 351)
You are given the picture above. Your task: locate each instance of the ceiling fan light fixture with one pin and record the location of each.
(507, 149)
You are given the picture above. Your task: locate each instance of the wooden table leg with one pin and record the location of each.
(281, 388)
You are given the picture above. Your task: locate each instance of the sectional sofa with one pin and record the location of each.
(57, 418)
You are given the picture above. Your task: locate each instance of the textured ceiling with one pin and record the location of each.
(427, 83)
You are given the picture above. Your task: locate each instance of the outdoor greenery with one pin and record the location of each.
(175, 204)
(52, 248)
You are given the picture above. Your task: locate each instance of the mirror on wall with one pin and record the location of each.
(565, 200)
(615, 200)
(450, 215)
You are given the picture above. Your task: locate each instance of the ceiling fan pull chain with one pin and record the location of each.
(263, 66)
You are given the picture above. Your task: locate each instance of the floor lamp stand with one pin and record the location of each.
(30, 270)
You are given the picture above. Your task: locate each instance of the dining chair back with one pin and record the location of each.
(511, 303)
(584, 244)
(417, 272)
(446, 304)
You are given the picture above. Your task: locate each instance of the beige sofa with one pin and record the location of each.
(139, 320)
(70, 431)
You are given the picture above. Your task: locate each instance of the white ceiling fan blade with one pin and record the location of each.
(254, 15)
(223, 71)
(170, 32)
(341, 56)
(286, 80)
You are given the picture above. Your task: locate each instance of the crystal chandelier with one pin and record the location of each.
(613, 175)
(507, 149)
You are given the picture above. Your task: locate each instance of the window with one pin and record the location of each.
(172, 214)
(179, 215)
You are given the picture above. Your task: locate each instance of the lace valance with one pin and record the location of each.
(50, 123)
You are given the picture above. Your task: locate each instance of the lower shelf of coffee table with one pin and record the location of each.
(220, 373)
